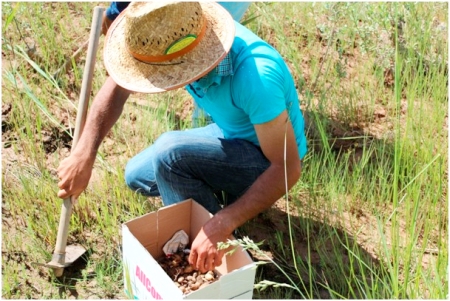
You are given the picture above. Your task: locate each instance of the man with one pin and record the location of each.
(253, 150)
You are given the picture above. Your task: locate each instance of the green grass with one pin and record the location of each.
(369, 217)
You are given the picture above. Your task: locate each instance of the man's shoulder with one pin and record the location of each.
(245, 36)
(248, 45)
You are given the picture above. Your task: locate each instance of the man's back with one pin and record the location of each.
(258, 89)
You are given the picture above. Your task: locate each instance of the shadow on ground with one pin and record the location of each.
(67, 283)
(322, 260)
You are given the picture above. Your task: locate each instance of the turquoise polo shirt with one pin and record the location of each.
(258, 88)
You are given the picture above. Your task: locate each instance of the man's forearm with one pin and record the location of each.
(75, 171)
(278, 144)
(103, 114)
(268, 188)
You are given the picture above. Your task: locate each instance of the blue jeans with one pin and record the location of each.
(196, 163)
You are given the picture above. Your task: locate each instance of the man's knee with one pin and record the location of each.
(138, 168)
(140, 180)
(142, 171)
(131, 174)
(170, 146)
(175, 153)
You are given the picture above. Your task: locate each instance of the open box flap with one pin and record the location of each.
(171, 219)
(144, 227)
(200, 217)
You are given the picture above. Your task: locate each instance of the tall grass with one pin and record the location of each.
(398, 178)
(368, 218)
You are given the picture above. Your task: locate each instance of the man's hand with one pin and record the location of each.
(204, 253)
(75, 171)
(106, 23)
(74, 174)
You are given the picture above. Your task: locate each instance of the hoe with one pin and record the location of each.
(63, 255)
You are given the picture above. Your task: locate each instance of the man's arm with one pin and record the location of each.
(267, 189)
(75, 171)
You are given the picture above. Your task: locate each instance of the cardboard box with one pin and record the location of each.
(143, 239)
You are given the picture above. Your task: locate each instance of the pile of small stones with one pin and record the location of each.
(185, 277)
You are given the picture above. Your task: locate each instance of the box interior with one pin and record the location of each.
(188, 216)
(154, 229)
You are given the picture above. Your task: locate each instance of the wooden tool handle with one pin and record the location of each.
(86, 86)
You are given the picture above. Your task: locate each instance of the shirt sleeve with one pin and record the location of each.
(258, 89)
(115, 8)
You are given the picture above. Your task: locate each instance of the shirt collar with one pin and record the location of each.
(224, 68)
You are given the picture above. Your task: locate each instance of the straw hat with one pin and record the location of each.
(157, 46)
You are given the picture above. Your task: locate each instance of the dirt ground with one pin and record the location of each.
(259, 229)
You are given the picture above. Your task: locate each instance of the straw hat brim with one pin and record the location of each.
(137, 76)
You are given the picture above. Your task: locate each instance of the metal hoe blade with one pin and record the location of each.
(60, 261)
(63, 260)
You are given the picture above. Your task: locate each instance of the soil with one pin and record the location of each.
(184, 275)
